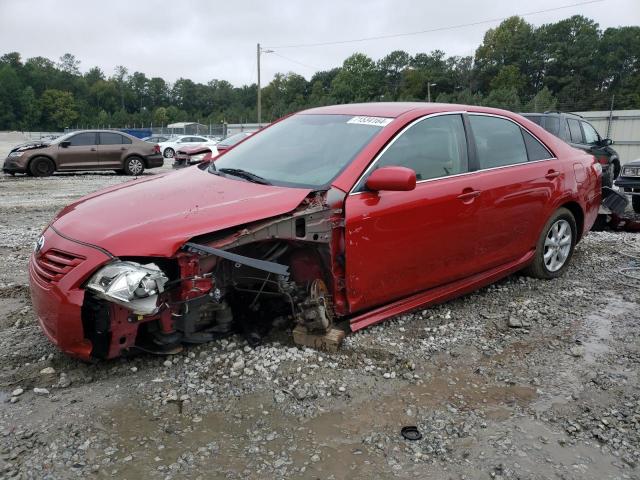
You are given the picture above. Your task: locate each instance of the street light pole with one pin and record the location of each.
(258, 52)
(259, 92)
(429, 85)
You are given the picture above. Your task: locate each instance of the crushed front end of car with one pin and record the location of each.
(246, 279)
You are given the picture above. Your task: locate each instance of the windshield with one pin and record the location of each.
(302, 150)
(62, 138)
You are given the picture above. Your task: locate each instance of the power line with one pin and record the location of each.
(296, 61)
(438, 29)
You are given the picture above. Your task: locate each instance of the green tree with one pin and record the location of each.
(29, 109)
(357, 81)
(58, 108)
(542, 101)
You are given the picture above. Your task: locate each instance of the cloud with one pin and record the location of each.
(204, 39)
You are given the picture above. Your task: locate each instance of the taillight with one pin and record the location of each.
(156, 149)
(602, 160)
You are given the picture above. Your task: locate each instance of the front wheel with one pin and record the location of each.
(169, 152)
(555, 246)
(41, 167)
(133, 166)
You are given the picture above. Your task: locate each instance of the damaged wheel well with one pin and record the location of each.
(578, 215)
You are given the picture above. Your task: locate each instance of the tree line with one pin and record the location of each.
(569, 65)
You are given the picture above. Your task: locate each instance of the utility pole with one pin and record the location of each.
(258, 52)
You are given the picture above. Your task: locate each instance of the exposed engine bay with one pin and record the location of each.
(276, 272)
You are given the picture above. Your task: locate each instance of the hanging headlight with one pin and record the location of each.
(197, 158)
(131, 285)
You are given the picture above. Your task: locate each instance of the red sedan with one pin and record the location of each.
(348, 213)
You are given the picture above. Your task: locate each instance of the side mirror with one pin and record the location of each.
(605, 142)
(65, 144)
(393, 179)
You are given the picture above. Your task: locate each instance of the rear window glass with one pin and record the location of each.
(551, 125)
(499, 142)
(575, 131)
(110, 138)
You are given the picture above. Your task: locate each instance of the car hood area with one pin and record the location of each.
(30, 146)
(155, 216)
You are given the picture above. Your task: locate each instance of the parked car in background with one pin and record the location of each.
(173, 144)
(579, 133)
(192, 155)
(228, 142)
(350, 212)
(156, 138)
(629, 182)
(84, 150)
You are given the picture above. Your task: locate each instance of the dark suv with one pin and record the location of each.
(579, 133)
(84, 150)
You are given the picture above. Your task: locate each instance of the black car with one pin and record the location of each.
(629, 182)
(579, 133)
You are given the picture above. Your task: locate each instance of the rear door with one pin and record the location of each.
(81, 154)
(517, 175)
(399, 243)
(112, 149)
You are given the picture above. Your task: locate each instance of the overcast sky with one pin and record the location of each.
(207, 39)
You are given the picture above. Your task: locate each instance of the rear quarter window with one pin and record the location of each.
(535, 149)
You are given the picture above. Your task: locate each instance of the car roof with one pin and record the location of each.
(395, 109)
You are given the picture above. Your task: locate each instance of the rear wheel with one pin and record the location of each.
(41, 167)
(635, 203)
(169, 152)
(133, 166)
(555, 246)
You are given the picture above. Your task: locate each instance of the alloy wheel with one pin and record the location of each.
(135, 166)
(557, 245)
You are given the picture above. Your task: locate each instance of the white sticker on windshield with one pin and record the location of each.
(373, 121)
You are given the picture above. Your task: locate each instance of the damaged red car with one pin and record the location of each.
(346, 214)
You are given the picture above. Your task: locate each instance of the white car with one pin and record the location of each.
(171, 146)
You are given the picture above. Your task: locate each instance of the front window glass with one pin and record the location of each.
(499, 142)
(82, 139)
(590, 135)
(434, 147)
(302, 150)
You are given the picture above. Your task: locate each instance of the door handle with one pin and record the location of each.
(468, 195)
(123, 148)
(92, 149)
(552, 174)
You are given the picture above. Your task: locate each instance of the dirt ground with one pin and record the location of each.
(525, 379)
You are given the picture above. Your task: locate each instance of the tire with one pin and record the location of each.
(555, 246)
(635, 203)
(169, 152)
(134, 166)
(41, 167)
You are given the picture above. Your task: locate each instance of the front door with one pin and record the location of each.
(80, 154)
(399, 243)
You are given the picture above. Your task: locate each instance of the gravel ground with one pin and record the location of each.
(524, 379)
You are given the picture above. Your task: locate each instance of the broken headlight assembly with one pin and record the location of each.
(131, 285)
(15, 154)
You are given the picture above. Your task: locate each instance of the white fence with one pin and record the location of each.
(621, 126)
